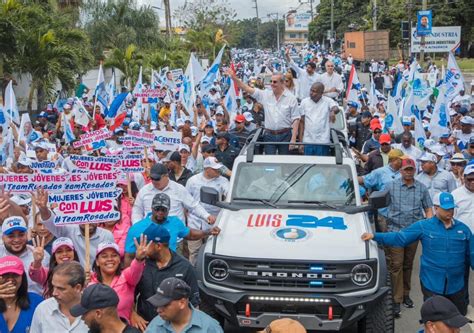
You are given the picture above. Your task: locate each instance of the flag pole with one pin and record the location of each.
(95, 92)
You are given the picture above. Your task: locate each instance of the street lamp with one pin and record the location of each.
(276, 16)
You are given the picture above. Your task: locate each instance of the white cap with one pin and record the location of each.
(212, 162)
(429, 143)
(469, 169)
(62, 241)
(248, 116)
(107, 245)
(427, 157)
(21, 199)
(167, 99)
(438, 150)
(452, 112)
(67, 106)
(205, 139)
(153, 125)
(185, 147)
(13, 223)
(194, 130)
(219, 110)
(42, 145)
(467, 120)
(179, 123)
(23, 160)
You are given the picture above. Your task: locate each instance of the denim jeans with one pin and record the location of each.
(316, 150)
(272, 149)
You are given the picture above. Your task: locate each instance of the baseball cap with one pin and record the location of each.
(184, 147)
(352, 104)
(43, 115)
(395, 153)
(366, 114)
(179, 123)
(212, 162)
(458, 158)
(96, 296)
(11, 264)
(467, 120)
(161, 200)
(284, 325)
(119, 130)
(239, 118)
(206, 139)
(444, 200)
(209, 124)
(13, 223)
(209, 149)
(406, 121)
(408, 163)
(158, 170)
(194, 130)
(248, 116)
(220, 111)
(107, 245)
(25, 161)
(428, 157)
(375, 124)
(62, 241)
(174, 156)
(463, 110)
(469, 169)
(439, 308)
(21, 199)
(157, 234)
(41, 145)
(170, 289)
(438, 150)
(224, 135)
(385, 138)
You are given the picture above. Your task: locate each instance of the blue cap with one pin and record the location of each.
(43, 115)
(13, 223)
(445, 200)
(352, 104)
(157, 233)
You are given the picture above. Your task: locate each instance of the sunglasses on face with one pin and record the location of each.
(156, 179)
(458, 164)
(377, 132)
(160, 209)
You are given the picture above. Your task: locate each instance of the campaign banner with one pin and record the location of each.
(94, 163)
(424, 22)
(92, 138)
(148, 93)
(43, 166)
(138, 138)
(165, 140)
(58, 183)
(441, 39)
(131, 163)
(297, 22)
(88, 207)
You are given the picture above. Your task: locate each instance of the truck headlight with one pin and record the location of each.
(362, 274)
(218, 269)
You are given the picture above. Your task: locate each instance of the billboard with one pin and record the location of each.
(297, 21)
(424, 21)
(441, 39)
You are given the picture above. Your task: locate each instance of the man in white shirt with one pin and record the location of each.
(306, 77)
(317, 111)
(211, 177)
(281, 112)
(332, 81)
(180, 197)
(53, 314)
(407, 147)
(464, 199)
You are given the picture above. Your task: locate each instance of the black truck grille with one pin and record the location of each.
(279, 275)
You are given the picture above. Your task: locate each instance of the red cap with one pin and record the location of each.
(408, 163)
(374, 124)
(385, 138)
(240, 118)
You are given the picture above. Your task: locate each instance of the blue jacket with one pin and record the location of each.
(446, 252)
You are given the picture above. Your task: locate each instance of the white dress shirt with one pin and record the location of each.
(281, 113)
(332, 81)
(305, 81)
(49, 319)
(464, 200)
(316, 119)
(27, 258)
(179, 197)
(194, 184)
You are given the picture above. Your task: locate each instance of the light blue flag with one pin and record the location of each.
(212, 73)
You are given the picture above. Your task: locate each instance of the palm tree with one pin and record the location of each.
(128, 61)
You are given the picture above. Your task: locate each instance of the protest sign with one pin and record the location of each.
(93, 163)
(138, 138)
(44, 166)
(167, 140)
(130, 163)
(88, 207)
(148, 93)
(92, 138)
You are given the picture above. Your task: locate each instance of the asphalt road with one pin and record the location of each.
(409, 320)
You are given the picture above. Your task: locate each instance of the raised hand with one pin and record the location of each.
(38, 252)
(141, 247)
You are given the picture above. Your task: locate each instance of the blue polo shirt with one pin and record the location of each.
(445, 251)
(173, 224)
(23, 323)
(378, 180)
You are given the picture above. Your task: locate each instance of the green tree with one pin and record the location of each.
(200, 14)
(267, 33)
(128, 61)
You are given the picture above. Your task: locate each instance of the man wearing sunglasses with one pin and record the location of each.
(180, 198)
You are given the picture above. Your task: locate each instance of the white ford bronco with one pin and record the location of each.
(290, 245)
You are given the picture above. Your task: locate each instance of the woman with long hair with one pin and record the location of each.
(62, 251)
(108, 269)
(289, 83)
(17, 305)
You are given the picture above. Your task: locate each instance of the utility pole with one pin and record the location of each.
(374, 16)
(276, 15)
(331, 40)
(256, 11)
(166, 4)
(422, 42)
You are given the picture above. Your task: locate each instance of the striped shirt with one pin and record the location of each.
(407, 204)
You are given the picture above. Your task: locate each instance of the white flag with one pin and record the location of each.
(392, 121)
(440, 117)
(454, 79)
(11, 107)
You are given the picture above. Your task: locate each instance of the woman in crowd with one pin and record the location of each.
(17, 305)
(41, 231)
(119, 228)
(62, 251)
(107, 269)
(289, 83)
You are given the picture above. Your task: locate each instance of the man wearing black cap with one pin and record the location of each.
(440, 315)
(162, 263)
(180, 197)
(361, 130)
(176, 314)
(225, 153)
(98, 309)
(177, 172)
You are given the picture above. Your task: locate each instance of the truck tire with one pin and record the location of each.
(208, 307)
(380, 319)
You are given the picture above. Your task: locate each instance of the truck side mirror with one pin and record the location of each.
(379, 199)
(209, 195)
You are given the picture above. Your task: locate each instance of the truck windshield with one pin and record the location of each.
(294, 183)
